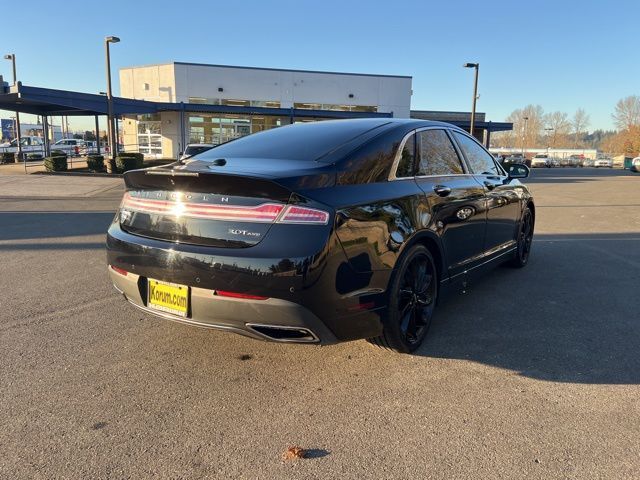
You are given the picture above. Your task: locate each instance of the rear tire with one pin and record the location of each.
(524, 241)
(413, 293)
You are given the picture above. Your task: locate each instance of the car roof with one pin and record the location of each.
(314, 140)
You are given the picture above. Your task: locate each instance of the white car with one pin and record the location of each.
(194, 149)
(541, 160)
(27, 144)
(71, 146)
(603, 162)
(635, 165)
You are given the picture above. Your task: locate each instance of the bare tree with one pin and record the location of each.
(579, 124)
(559, 124)
(627, 112)
(528, 124)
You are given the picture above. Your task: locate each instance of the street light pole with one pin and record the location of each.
(524, 135)
(111, 127)
(475, 94)
(12, 57)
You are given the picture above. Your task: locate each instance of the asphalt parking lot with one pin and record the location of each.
(530, 373)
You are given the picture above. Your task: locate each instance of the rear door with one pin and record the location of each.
(503, 199)
(456, 201)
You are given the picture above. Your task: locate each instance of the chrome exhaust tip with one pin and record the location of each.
(281, 333)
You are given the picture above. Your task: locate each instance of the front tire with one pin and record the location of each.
(413, 293)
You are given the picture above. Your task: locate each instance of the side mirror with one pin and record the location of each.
(518, 170)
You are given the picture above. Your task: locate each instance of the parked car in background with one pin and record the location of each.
(603, 162)
(516, 158)
(541, 160)
(635, 165)
(319, 232)
(27, 144)
(588, 162)
(574, 161)
(71, 146)
(194, 149)
(92, 147)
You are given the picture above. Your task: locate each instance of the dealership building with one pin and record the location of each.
(164, 107)
(217, 103)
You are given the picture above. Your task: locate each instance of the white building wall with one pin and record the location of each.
(389, 94)
(156, 83)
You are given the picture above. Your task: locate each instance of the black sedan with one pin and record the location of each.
(319, 232)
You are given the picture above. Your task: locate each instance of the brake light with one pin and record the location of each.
(119, 270)
(296, 214)
(246, 296)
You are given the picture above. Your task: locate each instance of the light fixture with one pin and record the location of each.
(112, 39)
(351, 95)
(220, 89)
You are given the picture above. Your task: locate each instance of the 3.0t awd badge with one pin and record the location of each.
(244, 233)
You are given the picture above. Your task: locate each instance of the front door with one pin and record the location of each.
(503, 200)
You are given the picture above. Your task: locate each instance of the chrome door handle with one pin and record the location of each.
(442, 190)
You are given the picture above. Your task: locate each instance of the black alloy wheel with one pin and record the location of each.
(413, 293)
(525, 239)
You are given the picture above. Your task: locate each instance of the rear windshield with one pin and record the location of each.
(302, 141)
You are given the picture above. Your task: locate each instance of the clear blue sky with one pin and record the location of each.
(560, 54)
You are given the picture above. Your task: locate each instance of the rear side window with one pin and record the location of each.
(437, 155)
(477, 157)
(406, 165)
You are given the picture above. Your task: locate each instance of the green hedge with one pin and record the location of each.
(7, 157)
(58, 153)
(56, 164)
(95, 163)
(34, 156)
(126, 161)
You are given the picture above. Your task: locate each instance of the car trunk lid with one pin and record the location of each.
(201, 204)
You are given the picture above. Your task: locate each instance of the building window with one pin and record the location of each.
(216, 129)
(150, 135)
(235, 102)
(335, 107)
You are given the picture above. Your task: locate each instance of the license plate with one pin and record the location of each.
(168, 297)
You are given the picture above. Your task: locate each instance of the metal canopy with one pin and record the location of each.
(47, 101)
(490, 126)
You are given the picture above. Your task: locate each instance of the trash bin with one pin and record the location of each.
(627, 162)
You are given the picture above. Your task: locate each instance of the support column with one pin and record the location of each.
(18, 138)
(97, 134)
(183, 145)
(487, 140)
(45, 131)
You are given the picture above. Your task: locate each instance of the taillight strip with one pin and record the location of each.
(266, 212)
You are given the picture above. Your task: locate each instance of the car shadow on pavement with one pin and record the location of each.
(569, 316)
(25, 225)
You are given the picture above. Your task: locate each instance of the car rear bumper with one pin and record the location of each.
(319, 292)
(270, 319)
